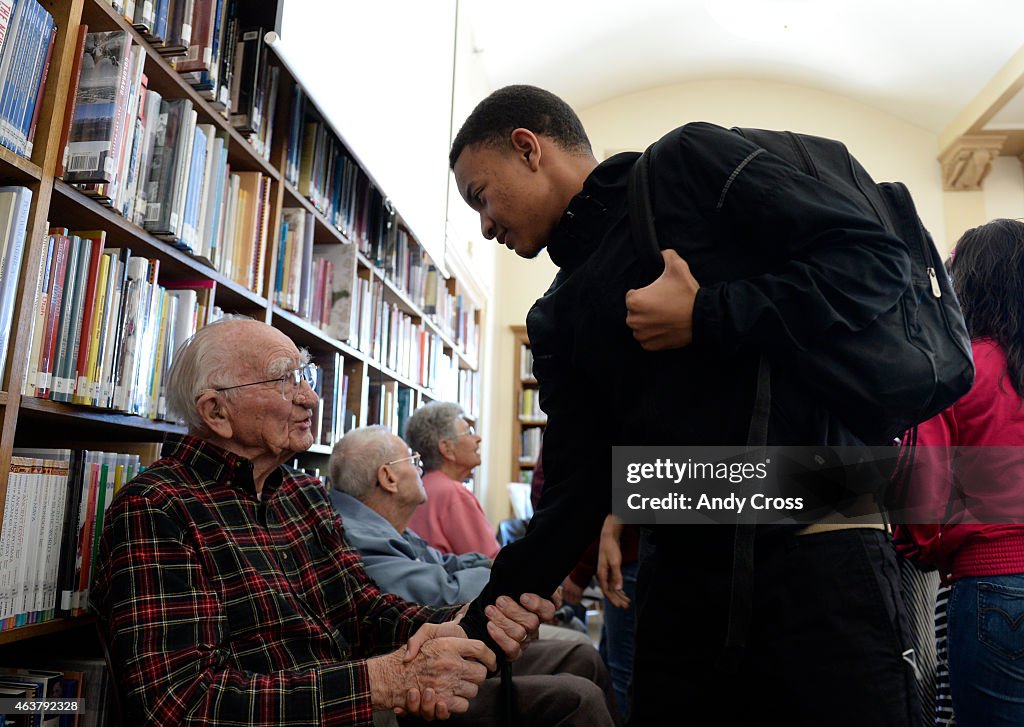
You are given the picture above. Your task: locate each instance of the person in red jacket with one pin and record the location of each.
(977, 548)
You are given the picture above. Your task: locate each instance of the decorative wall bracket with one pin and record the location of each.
(966, 163)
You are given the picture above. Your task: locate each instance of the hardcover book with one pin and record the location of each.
(338, 288)
(95, 139)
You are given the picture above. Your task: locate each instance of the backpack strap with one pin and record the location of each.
(741, 595)
(641, 217)
(741, 598)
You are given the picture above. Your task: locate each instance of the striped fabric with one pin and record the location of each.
(943, 699)
(918, 587)
(223, 608)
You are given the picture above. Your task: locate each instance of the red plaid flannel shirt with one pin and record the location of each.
(219, 607)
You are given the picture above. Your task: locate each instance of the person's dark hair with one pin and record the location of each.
(987, 268)
(527, 107)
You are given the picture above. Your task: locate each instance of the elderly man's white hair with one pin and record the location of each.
(357, 456)
(199, 364)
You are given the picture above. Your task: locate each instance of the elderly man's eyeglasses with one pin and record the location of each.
(415, 458)
(289, 382)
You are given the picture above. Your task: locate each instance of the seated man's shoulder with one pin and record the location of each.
(164, 483)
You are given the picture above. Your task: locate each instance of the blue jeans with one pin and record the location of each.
(986, 651)
(617, 639)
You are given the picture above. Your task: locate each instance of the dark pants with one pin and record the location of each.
(825, 644)
(557, 684)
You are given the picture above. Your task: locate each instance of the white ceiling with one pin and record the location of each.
(920, 60)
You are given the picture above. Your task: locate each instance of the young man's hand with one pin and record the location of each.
(661, 314)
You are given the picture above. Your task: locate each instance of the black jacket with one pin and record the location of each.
(781, 259)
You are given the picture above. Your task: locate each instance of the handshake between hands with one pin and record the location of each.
(439, 670)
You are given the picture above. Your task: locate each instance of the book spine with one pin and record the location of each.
(114, 331)
(13, 69)
(6, 7)
(85, 392)
(47, 353)
(15, 246)
(86, 522)
(37, 105)
(76, 372)
(66, 368)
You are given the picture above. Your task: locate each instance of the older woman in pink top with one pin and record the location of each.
(451, 519)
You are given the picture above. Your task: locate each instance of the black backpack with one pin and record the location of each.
(914, 360)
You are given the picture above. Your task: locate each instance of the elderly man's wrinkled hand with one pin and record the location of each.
(439, 682)
(434, 631)
(513, 625)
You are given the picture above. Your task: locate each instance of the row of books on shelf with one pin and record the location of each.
(467, 392)
(167, 24)
(459, 320)
(525, 363)
(27, 32)
(223, 59)
(319, 282)
(529, 406)
(74, 679)
(323, 171)
(388, 334)
(53, 517)
(408, 267)
(148, 159)
(529, 445)
(390, 405)
(334, 416)
(105, 327)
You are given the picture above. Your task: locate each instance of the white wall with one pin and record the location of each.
(890, 149)
(392, 108)
(1004, 190)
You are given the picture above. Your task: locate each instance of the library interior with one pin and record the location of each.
(167, 163)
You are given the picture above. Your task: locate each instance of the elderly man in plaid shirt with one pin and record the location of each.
(226, 592)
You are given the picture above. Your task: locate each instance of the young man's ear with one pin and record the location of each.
(527, 146)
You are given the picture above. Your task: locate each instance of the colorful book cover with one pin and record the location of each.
(69, 115)
(96, 130)
(339, 288)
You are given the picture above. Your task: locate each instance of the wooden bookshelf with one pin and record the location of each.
(18, 169)
(522, 381)
(31, 422)
(46, 628)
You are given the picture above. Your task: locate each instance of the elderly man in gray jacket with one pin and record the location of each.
(376, 487)
(376, 498)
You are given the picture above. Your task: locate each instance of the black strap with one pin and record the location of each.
(741, 599)
(507, 701)
(641, 217)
